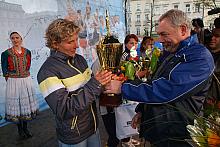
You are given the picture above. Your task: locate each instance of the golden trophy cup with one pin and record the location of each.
(109, 51)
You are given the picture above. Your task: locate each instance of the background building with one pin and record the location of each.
(139, 13)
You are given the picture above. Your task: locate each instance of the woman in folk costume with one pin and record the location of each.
(21, 105)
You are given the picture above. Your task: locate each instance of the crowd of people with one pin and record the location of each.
(188, 73)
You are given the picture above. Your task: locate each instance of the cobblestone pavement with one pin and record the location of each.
(43, 129)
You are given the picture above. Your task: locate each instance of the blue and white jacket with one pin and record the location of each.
(176, 92)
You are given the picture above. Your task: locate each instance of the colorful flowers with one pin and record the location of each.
(206, 130)
(136, 64)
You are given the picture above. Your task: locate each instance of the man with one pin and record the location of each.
(214, 91)
(69, 87)
(176, 91)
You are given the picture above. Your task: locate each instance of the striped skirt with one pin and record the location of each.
(20, 101)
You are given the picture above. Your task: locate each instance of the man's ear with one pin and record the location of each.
(183, 29)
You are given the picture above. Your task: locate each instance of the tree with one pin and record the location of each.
(151, 17)
(210, 4)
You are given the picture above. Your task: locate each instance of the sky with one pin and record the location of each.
(31, 6)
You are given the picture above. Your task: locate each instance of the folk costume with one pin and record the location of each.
(20, 105)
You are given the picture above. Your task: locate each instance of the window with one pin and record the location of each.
(157, 10)
(147, 17)
(175, 6)
(197, 7)
(138, 7)
(147, 7)
(138, 18)
(138, 31)
(188, 8)
(165, 8)
(129, 20)
(129, 8)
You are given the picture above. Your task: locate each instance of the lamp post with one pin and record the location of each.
(126, 16)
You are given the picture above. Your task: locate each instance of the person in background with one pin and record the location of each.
(176, 93)
(146, 44)
(203, 35)
(131, 40)
(214, 46)
(70, 88)
(84, 48)
(199, 29)
(217, 22)
(21, 105)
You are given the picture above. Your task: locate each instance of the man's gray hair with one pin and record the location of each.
(177, 18)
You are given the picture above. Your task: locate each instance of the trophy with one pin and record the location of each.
(109, 52)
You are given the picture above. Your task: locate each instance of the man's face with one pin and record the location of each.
(169, 35)
(215, 42)
(69, 46)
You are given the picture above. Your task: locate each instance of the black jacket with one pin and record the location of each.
(70, 90)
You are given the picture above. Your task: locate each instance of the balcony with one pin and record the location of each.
(138, 11)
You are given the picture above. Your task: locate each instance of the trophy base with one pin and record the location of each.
(110, 100)
(110, 94)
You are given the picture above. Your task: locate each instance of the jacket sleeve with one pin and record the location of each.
(63, 103)
(4, 64)
(183, 79)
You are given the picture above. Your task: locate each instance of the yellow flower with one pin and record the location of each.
(122, 68)
(157, 52)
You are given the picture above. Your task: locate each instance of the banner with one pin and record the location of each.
(31, 18)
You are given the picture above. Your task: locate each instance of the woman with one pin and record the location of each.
(69, 87)
(146, 45)
(130, 41)
(108, 114)
(21, 105)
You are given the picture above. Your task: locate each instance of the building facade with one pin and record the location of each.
(140, 13)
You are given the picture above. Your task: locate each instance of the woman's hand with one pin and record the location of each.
(103, 77)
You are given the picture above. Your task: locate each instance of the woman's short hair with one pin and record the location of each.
(58, 31)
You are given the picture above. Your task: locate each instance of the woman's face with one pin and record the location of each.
(149, 44)
(132, 42)
(16, 40)
(69, 46)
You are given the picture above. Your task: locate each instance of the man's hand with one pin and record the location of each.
(113, 87)
(136, 120)
(103, 77)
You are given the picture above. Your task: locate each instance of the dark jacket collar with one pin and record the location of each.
(127, 50)
(58, 54)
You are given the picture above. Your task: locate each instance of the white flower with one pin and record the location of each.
(133, 52)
